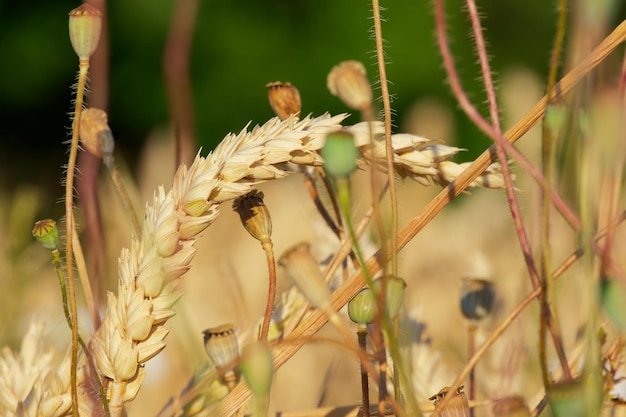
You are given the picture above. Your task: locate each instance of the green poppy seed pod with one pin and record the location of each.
(567, 399)
(349, 82)
(457, 406)
(362, 307)
(303, 270)
(284, 99)
(254, 215)
(340, 154)
(94, 132)
(613, 300)
(510, 407)
(477, 298)
(257, 368)
(85, 26)
(221, 345)
(46, 233)
(394, 294)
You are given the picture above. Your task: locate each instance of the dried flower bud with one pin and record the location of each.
(221, 345)
(458, 405)
(613, 300)
(257, 368)
(477, 298)
(85, 27)
(304, 272)
(284, 99)
(510, 407)
(46, 233)
(95, 134)
(394, 294)
(362, 308)
(254, 215)
(349, 82)
(340, 154)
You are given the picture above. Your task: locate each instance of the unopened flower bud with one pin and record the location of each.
(340, 154)
(457, 406)
(284, 99)
(85, 26)
(254, 215)
(349, 82)
(394, 294)
(257, 368)
(221, 345)
(477, 298)
(304, 272)
(362, 308)
(95, 134)
(46, 233)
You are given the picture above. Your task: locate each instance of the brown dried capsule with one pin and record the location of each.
(349, 82)
(254, 215)
(85, 26)
(458, 405)
(284, 99)
(477, 298)
(221, 345)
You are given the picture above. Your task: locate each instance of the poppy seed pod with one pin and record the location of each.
(349, 82)
(362, 307)
(254, 215)
(46, 233)
(477, 298)
(85, 26)
(221, 345)
(284, 99)
(340, 154)
(394, 294)
(303, 270)
(458, 406)
(95, 134)
(257, 368)
(613, 300)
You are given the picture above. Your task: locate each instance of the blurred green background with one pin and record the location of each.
(238, 48)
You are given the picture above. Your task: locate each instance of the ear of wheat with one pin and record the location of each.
(133, 330)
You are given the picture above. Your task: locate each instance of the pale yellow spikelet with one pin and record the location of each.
(133, 329)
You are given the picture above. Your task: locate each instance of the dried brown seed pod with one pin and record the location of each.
(254, 215)
(221, 345)
(284, 99)
(458, 406)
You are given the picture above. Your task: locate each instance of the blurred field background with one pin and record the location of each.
(238, 47)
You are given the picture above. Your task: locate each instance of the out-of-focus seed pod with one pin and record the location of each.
(257, 368)
(284, 99)
(362, 307)
(95, 134)
(349, 82)
(85, 27)
(477, 298)
(254, 215)
(46, 233)
(304, 272)
(222, 347)
(340, 154)
(567, 399)
(458, 406)
(510, 407)
(613, 300)
(394, 294)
